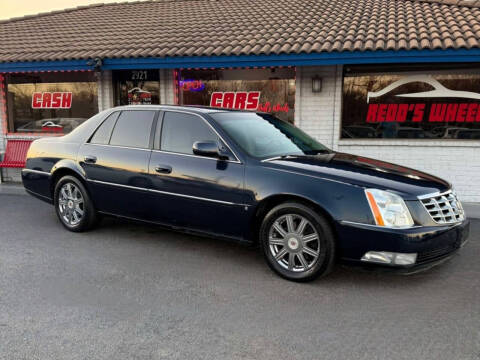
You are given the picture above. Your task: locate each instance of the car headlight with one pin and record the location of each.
(388, 209)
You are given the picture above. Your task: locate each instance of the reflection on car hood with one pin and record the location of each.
(365, 172)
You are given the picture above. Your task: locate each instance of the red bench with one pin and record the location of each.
(15, 154)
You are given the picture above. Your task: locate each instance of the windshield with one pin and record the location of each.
(264, 136)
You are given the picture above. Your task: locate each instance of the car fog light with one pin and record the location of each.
(378, 257)
(385, 257)
(405, 259)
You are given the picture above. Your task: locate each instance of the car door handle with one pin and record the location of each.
(163, 169)
(89, 159)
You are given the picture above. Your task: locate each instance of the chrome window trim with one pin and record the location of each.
(165, 192)
(196, 156)
(36, 171)
(237, 160)
(118, 146)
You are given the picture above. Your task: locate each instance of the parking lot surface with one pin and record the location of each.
(134, 291)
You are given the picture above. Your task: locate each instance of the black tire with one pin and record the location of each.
(89, 217)
(323, 248)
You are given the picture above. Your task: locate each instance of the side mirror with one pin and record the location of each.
(210, 149)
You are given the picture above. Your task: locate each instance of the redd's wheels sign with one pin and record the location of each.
(441, 112)
(421, 110)
(52, 100)
(439, 105)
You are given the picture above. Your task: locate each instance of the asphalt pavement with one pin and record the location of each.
(134, 291)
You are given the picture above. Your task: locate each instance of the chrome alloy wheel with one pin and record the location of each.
(294, 242)
(70, 204)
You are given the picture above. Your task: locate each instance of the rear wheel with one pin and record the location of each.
(73, 205)
(297, 242)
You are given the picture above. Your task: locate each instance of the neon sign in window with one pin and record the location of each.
(270, 90)
(191, 85)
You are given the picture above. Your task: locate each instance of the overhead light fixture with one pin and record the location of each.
(316, 84)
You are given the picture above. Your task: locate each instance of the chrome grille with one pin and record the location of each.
(443, 208)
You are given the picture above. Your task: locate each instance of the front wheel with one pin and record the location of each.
(297, 242)
(73, 205)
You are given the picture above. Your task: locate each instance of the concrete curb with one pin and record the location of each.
(471, 209)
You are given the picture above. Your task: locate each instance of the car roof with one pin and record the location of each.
(190, 108)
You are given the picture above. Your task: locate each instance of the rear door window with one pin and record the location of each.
(133, 129)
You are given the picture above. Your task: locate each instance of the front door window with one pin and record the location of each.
(180, 131)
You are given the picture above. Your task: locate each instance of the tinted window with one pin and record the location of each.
(102, 135)
(181, 130)
(133, 129)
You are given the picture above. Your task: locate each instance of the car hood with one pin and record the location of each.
(364, 172)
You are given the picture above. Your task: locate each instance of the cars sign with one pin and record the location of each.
(239, 100)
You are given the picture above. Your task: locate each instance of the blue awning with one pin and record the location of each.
(312, 59)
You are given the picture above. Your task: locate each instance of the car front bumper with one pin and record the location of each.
(432, 244)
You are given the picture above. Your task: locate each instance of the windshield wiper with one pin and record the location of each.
(286, 156)
(319, 151)
(310, 155)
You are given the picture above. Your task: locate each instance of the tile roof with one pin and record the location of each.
(167, 28)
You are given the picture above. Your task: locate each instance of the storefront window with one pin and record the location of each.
(50, 102)
(418, 104)
(136, 87)
(266, 90)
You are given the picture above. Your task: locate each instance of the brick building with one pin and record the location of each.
(397, 80)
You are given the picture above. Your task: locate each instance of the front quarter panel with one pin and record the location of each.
(341, 200)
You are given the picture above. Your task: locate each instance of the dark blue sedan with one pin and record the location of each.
(250, 177)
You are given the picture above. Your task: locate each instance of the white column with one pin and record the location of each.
(337, 106)
(2, 120)
(315, 113)
(166, 87)
(105, 90)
